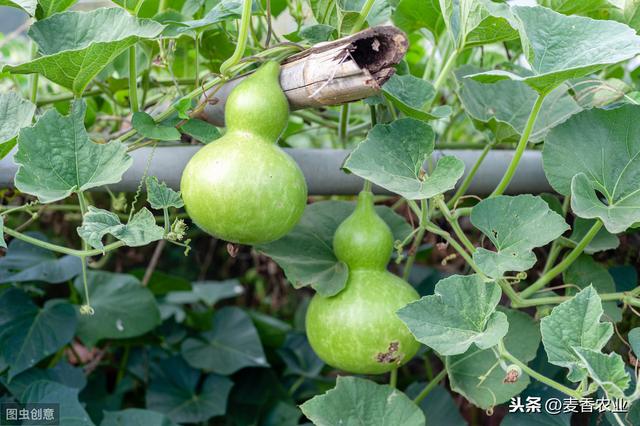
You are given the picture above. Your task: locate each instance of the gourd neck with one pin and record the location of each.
(363, 240)
(258, 105)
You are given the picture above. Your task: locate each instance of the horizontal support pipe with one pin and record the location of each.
(322, 170)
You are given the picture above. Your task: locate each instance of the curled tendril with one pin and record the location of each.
(87, 310)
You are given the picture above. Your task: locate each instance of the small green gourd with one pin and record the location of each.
(242, 187)
(358, 330)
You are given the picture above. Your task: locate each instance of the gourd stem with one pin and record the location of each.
(362, 17)
(556, 246)
(367, 186)
(243, 34)
(33, 95)
(393, 378)
(430, 386)
(566, 262)
(454, 224)
(522, 145)
(413, 251)
(133, 80)
(446, 69)
(344, 126)
(462, 190)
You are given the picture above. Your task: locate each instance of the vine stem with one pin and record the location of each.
(413, 251)
(133, 80)
(522, 145)
(243, 34)
(446, 69)
(539, 377)
(60, 249)
(33, 92)
(429, 387)
(566, 262)
(454, 224)
(362, 17)
(344, 125)
(556, 247)
(469, 178)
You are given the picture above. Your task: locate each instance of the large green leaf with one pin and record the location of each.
(306, 253)
(515, 226)
(56, 157)
(222, 11)
(478, 22)
(504, 107)
(175, 391)
(62, 373)
(585, 271)
(27, 262)
(356, 401)
(461, 312)
(71, 410)
(392, 157)
(135, 417)
(575, 323)
(16, 113)
(123, 308)
(299, 357)
(574, 7)
(560, 47)
(231, 345)
(28, 6)
(604, 179)
(73, 59)
(29, 334)
(139, 231)
(412, 15)
(476, 374)
(608, 371)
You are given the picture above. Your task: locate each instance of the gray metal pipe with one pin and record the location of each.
(322, 169)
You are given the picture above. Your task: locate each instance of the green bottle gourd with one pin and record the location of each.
(358, 330)
(242, 187)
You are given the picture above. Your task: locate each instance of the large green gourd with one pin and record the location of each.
(243, 188)
(358, 330)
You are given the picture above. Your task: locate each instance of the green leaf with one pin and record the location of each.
(68, 162)
(47, 8)
(131, 6)
(478, 22)
(515, 226)
(392, 157)
(575, 323)
(606, 168)
(160, 196)
(412, 15)
(200, 130)
(222, 11)
(504, 107)
(363, 402)
(135, 417)
(139, 231)
(476, 374)
(585, 271)
(299, 357)
(28, 6)
(72, 60)
(16, 113)
(580, 7)
(462, 311)
(560, 47)
(604, 240)
(71, 411)
(306, 253)
(412, 96)
(62, 373)
(30, 334)
(608, 371)
(175, 391)
(26, 262)
(123, 308)
(147, 127)
(207, 292)
(231, 345)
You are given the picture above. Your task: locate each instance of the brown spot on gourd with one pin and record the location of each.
(392, 355)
